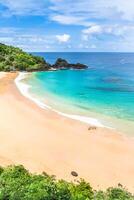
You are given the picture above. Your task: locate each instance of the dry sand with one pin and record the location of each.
(42, 140)
(2, 74)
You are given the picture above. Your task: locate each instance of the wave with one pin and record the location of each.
(24, 90)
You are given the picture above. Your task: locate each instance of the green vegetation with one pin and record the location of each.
(16, 183)
(12, 59)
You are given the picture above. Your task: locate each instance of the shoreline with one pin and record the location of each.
(122, 126)
(23, 88)
(43, 140)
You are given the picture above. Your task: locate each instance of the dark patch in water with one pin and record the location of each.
(113, 89)
(112, 80)
(83, 107)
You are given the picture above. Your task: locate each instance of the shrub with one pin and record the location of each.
(16, 183)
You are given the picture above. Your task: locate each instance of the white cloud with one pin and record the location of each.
(24, 7)
(93, 30)
(93, 46)
(7, 40)
(126, 7)
(96, 19)
(72, 12)
(85, 11)
(70, 20)
(28, 40)
(63, 38)
(116, 30)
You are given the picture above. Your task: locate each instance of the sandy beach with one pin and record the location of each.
(42, 140)
(2, 74)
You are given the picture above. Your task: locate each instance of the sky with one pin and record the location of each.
(68, 25)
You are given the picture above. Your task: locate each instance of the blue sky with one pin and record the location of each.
(68, 25)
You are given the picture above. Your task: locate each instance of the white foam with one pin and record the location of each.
(24, 89)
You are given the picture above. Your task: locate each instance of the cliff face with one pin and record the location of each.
(14, 59)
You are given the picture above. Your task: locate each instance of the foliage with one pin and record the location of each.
(16, 183)
(12, 59)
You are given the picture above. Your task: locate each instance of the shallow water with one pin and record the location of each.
(104, 91)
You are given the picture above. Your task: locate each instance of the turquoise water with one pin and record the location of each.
(105, 89)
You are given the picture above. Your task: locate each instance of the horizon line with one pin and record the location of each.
(80, 51)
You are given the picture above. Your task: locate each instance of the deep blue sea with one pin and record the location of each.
(104, 91)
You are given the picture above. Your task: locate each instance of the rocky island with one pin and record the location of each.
(14, 59)
(63, 64)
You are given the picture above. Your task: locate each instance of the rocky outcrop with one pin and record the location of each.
(78, 66)
(62, 64)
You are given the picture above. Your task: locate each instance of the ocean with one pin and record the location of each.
(102, 95)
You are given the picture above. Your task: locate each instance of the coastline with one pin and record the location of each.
(24, 90)
(97, 119)
(43, 140)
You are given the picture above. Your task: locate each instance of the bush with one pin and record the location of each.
(118, 194)
(16, 183)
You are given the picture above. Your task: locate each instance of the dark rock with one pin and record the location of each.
(78, 66)
(73, 173)
(62, 64)
(46, 66)
(120, 185)
(92, 128)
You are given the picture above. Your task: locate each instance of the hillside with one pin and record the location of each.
(12, 59)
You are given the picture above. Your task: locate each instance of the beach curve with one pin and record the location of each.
(42, 140)
(24, 90)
